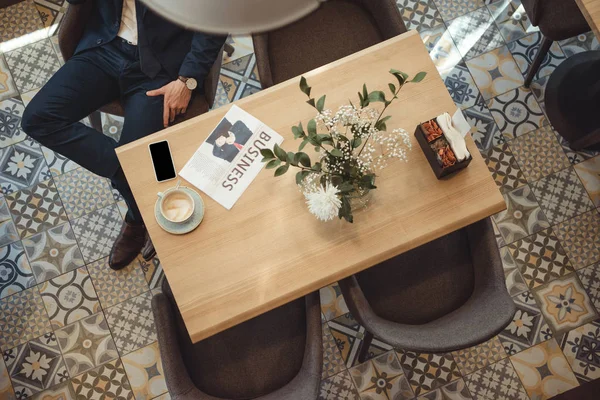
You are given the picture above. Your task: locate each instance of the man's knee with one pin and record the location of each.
(34, 119)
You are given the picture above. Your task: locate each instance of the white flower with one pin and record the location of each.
(324, 203)
(36, 366)
(521, 323)
(20, 165)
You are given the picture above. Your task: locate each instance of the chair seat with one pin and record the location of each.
(335, 30)
(557, 19)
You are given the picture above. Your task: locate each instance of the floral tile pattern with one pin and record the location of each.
(498, 381)
(522, 217)
(511, 19)
(51, 13)
(112, 126)
(8, 88)
(580, 43)
(565, 304)
(15, 272)
(338, 387)
(450, 9)
(544, 371)
(525, 49)
(83, 192)
(426, 372)
(58, 164)
(59, 392)
(495, 72)
(22, 318)
(332, 302)
(53, 252)
(86, 344)
(484, 131)
(477, 24)
(21, 166)
(113, 286)
(515, 283)
(441, 48)
(580, 237)
(145, 372)
(589, 173)
(461, 87)
(11, 111)
(580, 346)
(419, 14)
(381, 378)
(32, 65)
(8, 231)
(107, 381)
(97, 231)
(540, 258)
(132, 323)
(477, 357)
(590, 279)
(456, 390)
(153, 271)
(18, 20)
(333, 363)
(575, 157)
(69, 297)
(504, 168)
(517, 112)
(240, 77)
(539, 154)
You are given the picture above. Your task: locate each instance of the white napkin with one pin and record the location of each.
(454, 137)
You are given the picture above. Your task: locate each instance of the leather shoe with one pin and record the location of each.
(148, 251)
(130, 241)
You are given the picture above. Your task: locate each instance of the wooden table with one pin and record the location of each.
(591, 11)
(268, 249)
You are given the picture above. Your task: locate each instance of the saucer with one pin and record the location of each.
(187, 226)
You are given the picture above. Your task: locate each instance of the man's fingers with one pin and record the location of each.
(156, 92)
(172, 113)
(165, 115)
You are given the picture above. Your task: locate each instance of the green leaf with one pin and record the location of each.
(290, 157)
(304, 86)
(312, 127)
(419, 77)
(345, 210)
(301, 175)
(282, 170)
(273, 163)
(297, 132)
(377, 96)
(392, 88)
(380, 125)
(400, 76)
(267, 153)
(304, 143)
(356, 142)
(336, 152)
(311, 101)
(316, 167)
(304, 159)
(280, 153)
(321, 103)
(365, 92)
(346, 187)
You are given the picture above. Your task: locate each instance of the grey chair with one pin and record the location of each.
(336, 29)
(275, 356)
(446, 295)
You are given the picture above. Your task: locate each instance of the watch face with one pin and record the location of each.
(191, 83)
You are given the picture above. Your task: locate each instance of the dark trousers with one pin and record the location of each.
(85, 83)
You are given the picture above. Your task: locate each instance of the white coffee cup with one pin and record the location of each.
(176, 205)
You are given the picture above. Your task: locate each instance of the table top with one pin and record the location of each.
(591, 11)
(268, 249)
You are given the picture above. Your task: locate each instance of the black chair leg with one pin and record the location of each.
(364, 347)
(96, 121)
(229, 49)
(539, 58)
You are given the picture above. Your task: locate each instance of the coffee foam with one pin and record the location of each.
(177, 207)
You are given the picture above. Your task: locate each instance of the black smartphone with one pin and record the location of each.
(164, 168)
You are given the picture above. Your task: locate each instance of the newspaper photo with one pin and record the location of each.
(229, 159)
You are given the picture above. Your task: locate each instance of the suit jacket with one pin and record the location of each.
(241, 131)
(162, 44)
(227, 152)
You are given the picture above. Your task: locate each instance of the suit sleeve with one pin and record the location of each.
(198, 62)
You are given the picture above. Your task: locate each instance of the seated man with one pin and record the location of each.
(127, 52)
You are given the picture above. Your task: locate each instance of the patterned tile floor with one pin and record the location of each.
(70, 326)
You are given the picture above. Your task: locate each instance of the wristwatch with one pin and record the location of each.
(190, 83)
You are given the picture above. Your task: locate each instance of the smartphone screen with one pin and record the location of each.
(163, 163)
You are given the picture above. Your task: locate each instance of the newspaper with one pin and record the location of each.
(229, 159)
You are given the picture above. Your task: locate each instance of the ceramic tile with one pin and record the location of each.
(580, 43)
(381, 378)
(475, 33)
(221, 98)
(562, 196)
(498, 235)
(580, 236)
(504, 168)
(461, 87)
(242, 44)
(58, 392)
(484, 131)
(8, 88)
(153, 272)
(527, 328)
(57, 163)
(426, 372)
(69, 297)
(539, 154)
(53, 252)
(540, 258)
(132, 323)
(419, 14)
(522, 217)
(495, 72)
(107, 381)
(515, 283)
(6, 389)
(581, 348)
(517, 112)
(333, 363)
(525, 49)
(11, 111)
(112, 126)
(498, 381)
(145, 372)
(575, 157)
(15, 271)
(565, 304)
(590, 279)
(113, 286)
(477, 357)
(97, 231)
(51, 13)
(240, 77)
(450, 9)
(22, 318)
(19, 20)
(538, 87)
(589, 173)
(86, 344)
(511, 19)
(348, 335)
(456, 390)
(21, 165)
(32, 65)
(83, 192)
(333, 304)
(441, 48)
(338, 387)
(8, 231)
(544, 371)
(36, 209)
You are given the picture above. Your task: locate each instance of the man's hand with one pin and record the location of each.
(177, 98)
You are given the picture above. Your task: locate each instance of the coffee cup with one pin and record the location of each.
(176, 205)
